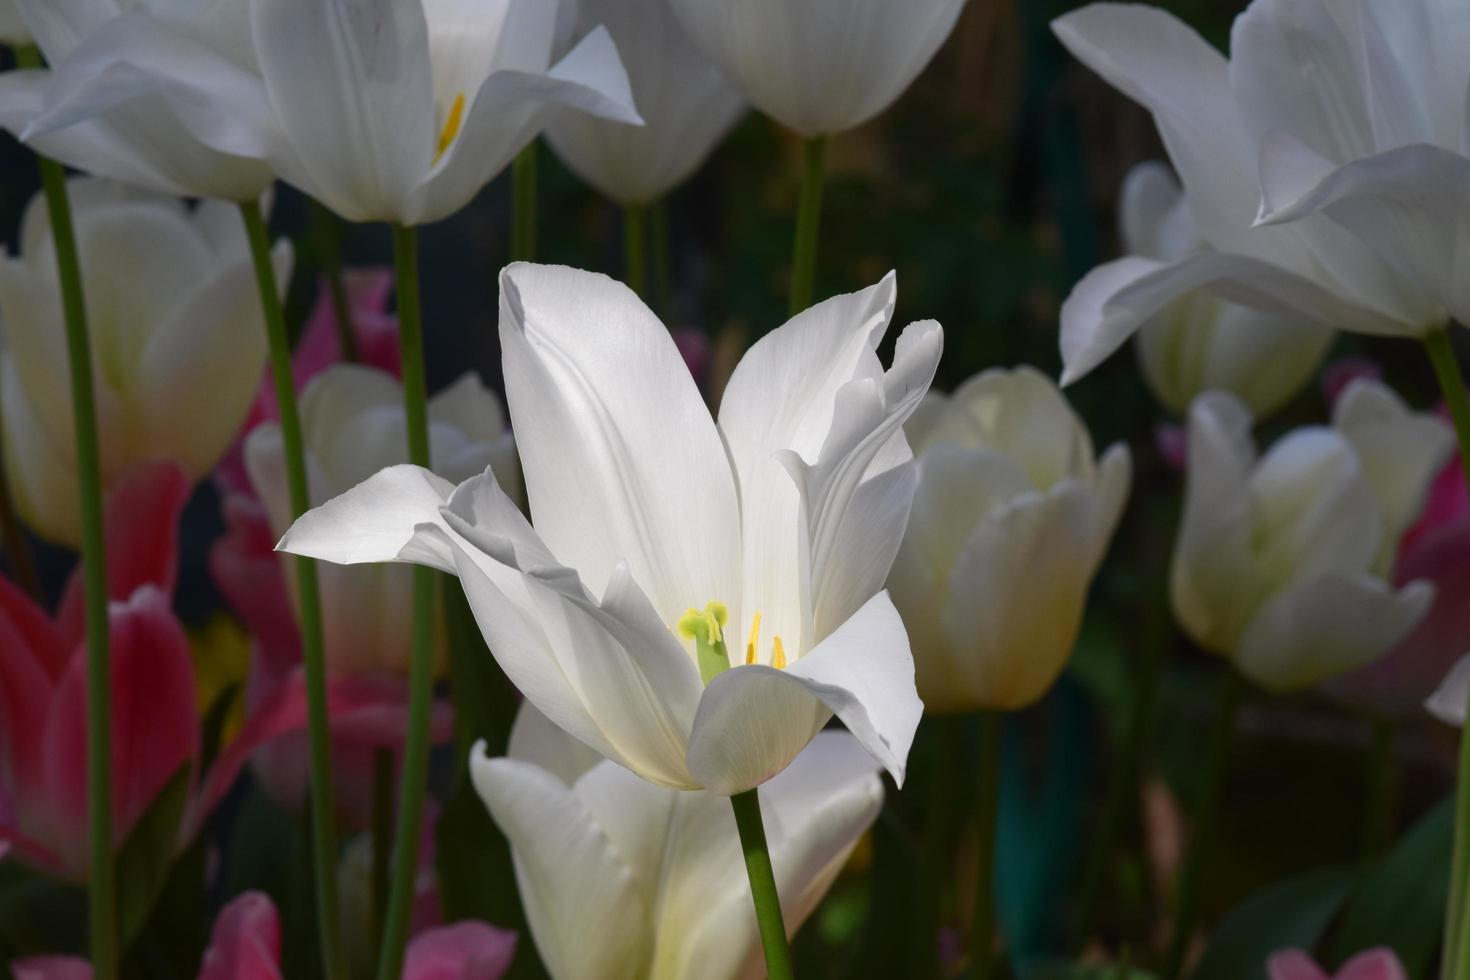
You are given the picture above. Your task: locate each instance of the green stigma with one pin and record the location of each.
(706, 628)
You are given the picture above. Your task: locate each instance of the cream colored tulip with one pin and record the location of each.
(1010, 521)
(1200, 342)
(353, 425)
(176, 333)
(622, 879)
(1281, 562)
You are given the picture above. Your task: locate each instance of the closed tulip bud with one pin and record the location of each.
(820, 66)
(176, 334)
(622, 878)
(1010, 520)
(1201, 342)
(686, 104)
(1282, 562)
(353, 425)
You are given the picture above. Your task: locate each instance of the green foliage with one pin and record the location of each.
(1294, 912)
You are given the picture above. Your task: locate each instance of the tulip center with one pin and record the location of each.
(752, 644)
(706, 627)
(451, 127)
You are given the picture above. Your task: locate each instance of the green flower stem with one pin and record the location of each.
(414, 781)
(747, 809)
(1457, 915)
(327, 232)
(808, 223)
(1206, 812)
(382, 833)
(635, 247)
(323, 808)
(523, 205)
(101, 878)
(987, 811)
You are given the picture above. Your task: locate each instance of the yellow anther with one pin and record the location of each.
(778, 654)
(705, 624)
(754, 639)
(451, 126)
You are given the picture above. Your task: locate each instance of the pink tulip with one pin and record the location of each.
(246, 945)
(373, 327)
(1376, 964)
(155, 717)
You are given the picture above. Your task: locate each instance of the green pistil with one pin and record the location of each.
(706, 628)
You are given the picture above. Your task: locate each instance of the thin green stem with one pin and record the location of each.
(327, 231)
(523, 205)
(414, 781)
(1206, 812)
(747, 809)
(1457, 914)
(313, 656)
(635, 247)
(1379, 811)
(987, 813)
(101, 879)
(382, 833)
(808, 223)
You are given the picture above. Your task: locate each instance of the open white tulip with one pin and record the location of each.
(353, 425)
(1281, 563)
(380, 109)
(1449, 700)
(1200, 342)
(820, 66)
(686, 104)
(667, 547)
(175, 324)
(1011, 518)
(137, 140)
(622, 879)
(1296, 66)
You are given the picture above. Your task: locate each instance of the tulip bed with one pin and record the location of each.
(773, 568)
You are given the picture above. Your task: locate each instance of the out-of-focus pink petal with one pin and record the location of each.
(155, 724)
(27, 625)
(1293, 964)
(1447, 502)
(32, 660)
(142, 523)
(1344, 371)
(1375, 964)
(246, 941)
(247, 572)
(695, 348)
(463, 951)
(1172, 442)
(51, 968)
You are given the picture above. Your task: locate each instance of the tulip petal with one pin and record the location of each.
(350, 83)
(534, 739)
(585, 913)
(621, 459)
(51, 968)
(1449, 700)
(1293, 964)
(245, 943)
(32, 660)
(1375, 964)
(462, 951)
(1326, 626)
(753, 720)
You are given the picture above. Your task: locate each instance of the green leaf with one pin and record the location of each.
(144, 860)
(1399, 901)
(1294, 912)
(39, 914)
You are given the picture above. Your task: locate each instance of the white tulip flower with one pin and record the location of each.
(1200, 342)
(820, 66)
(175, 325)
(621, 879)
(353, 425)
(696, 599)
(686, 104)
(383, 110)
(1010, 521)
(1282, 563)
(134, 138)
(1449, 700)
(12, 26)
(1343, 77)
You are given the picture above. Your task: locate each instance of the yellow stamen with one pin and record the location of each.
(451, 126)
(754, 640)
(778, 654)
